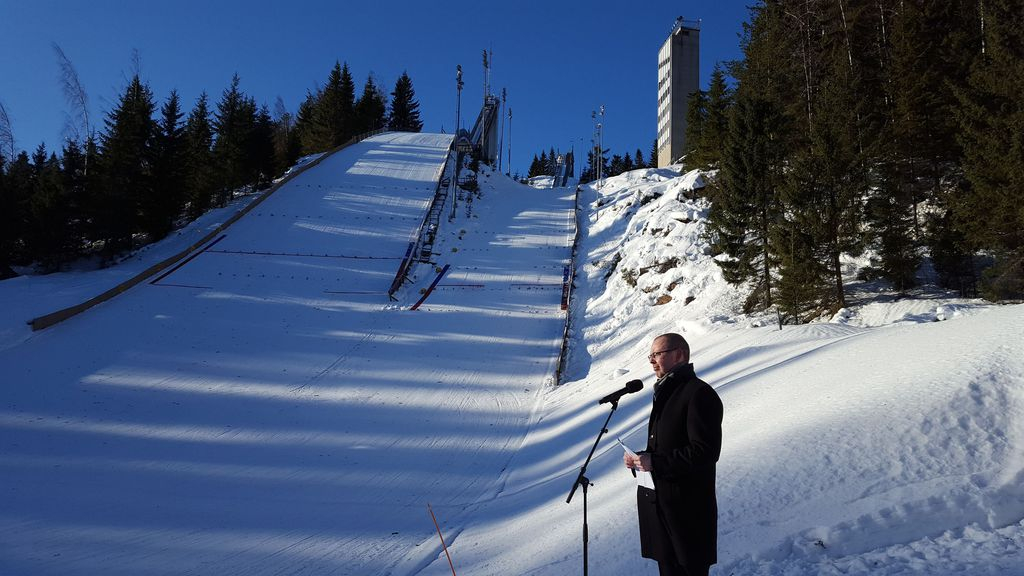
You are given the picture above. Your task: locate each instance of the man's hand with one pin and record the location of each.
(641, 462)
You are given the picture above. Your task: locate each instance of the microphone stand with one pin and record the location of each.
(583, 482)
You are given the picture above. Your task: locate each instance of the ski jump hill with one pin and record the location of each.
(263, 407)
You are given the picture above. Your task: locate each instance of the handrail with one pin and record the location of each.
(414, 245)
(567, 294)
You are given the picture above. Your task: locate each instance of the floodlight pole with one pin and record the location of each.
(458, 127)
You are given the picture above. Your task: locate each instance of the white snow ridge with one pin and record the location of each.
(266, 409)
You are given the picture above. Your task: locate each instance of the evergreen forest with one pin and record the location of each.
(887, 128)
(153, 166)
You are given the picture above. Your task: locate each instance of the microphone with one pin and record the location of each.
(631, 386)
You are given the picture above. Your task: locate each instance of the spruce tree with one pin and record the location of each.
(260, 149)
(233, 123)
(653, 158)
(696, 115)
(638, 159)
(79, 185)
(162, 208)
(708, 150)
(405, 109)
(49, 240)
(305, 125)
(615, 167)
(746, 199)
(990, 211)
(18, 184)
(348, 106)
(7, 226)
(371, 108)
(333, 115)
(127, 163)
(200, 179)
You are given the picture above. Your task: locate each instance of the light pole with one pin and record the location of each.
(501, 140)
(600, 148)
(458, 100)
(458, 154)
(508, 168)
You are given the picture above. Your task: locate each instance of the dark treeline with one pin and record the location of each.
(544, 165)
(153, 166)
(616, 165)
(547, 163)
(880, 125)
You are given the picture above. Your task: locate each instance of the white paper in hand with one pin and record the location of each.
(642, 478)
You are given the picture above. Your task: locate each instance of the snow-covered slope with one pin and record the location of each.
(268, 425)
(265, 409)
(881, 443)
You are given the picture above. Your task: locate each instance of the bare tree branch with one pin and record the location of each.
(6, 135)
(76, 125)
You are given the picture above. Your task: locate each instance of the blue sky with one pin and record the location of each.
(558, 60)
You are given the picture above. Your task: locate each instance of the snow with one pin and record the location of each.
(274, 413)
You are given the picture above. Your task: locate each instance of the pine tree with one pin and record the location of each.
(162, 208)
(305, 125)
(333, 115)
(696, 115)
(990, 211)
(79, 186)
(49, 241)
(8, 223)
(405, 110)
(615, 167)
(15, 216)
(233, 123)
(200, 183)
(127, 163)
(371, 108)
(653, 158)
(347, 103)
(638, 159)
(746, 199)
(708, 151)
(260, 149)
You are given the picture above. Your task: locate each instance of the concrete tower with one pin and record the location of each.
(678, 78)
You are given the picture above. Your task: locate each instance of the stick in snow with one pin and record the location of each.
(442, 539)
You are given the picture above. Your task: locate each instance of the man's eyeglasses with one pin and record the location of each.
(653, 355)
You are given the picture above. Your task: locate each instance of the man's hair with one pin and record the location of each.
(677, 341)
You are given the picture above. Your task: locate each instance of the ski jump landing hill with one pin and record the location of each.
(265, 408)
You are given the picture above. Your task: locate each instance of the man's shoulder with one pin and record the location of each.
(697, 386)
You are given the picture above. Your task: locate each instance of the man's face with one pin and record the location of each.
(664, 356)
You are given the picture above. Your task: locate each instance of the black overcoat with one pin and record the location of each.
(679, 518)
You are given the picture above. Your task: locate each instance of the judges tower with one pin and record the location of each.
(678, 78)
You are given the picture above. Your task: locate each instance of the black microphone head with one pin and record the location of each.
(634, 386)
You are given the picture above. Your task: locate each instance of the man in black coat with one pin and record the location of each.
(679, 518)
